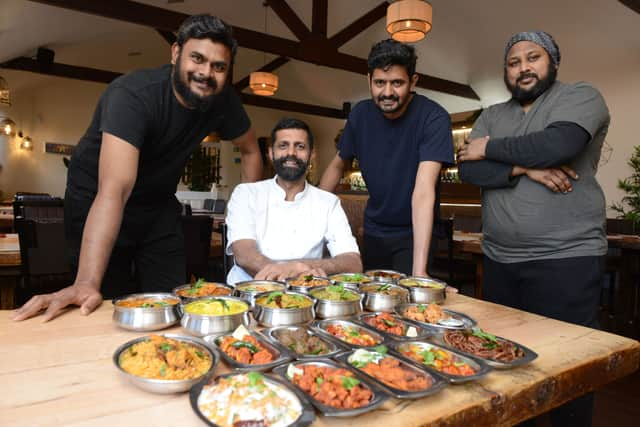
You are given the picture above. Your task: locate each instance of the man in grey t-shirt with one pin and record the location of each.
(535, 157)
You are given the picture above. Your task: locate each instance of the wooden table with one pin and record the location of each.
(61, 373)
(10, 271)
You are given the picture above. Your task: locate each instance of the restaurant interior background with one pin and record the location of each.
(598, 39)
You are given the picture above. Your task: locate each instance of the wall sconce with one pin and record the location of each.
(7, 127)
(26, 143)
(5, 93)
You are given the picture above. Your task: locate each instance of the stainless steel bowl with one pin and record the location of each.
(350, 280)
(165, 386)
(147, 318)
(269, 316)
(277, 333)
(423, 290)
(385, 276)
(332, 309)
(249, 289)
(204, 324)
(380, 296)
(312, 282)
(187, 299)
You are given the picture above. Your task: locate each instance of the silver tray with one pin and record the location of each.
(481, 368)
(437, 384)
(468, 322)
(378, 397)
(306, 417)
(529, 355)
(422, 332)
(335, 348)
(321, 325)
(281, 356)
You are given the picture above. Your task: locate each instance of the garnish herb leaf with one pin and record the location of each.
(239, 344)
(255, 378)
(349, 382)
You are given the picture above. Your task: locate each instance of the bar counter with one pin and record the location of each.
(61, 373)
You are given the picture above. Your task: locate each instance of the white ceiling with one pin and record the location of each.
(465, 45)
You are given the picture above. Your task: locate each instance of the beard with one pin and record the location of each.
(527, 96)
(400, 103)
(289, 173)
(192, 99)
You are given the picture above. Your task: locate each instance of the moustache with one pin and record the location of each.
(527, 75)
(283, 160)
(208, 81)
(388, 98)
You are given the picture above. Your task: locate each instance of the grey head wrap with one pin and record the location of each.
(540, 38)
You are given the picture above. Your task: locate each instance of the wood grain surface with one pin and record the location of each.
(62, 373)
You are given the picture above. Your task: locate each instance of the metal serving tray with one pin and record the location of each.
(467, 321)
(280, 356)
(378, 397)
(481, 368)
(437, 381)
(321, 325)
(529, 355)
(422, 332)
(272, 335)
(306, 417)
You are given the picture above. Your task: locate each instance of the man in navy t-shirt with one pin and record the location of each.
(401, 140)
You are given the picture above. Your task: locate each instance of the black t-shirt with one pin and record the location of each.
(142, 109)
(389, 153)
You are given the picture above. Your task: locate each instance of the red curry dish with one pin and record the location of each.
(247, 350)
(335, 387)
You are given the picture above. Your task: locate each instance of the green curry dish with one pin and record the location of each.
(335, 293)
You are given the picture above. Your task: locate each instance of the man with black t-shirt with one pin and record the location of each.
(122, 219)
(401, 140)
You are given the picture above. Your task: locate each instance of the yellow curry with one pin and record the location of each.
(216, 307)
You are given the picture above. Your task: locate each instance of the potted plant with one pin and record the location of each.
(629, 206)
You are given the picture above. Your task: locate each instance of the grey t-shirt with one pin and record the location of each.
(528, 221)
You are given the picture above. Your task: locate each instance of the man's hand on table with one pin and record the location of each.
(286, 270)
(86, 297)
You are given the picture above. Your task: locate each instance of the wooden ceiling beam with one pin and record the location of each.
(359, 25)
(313, 51)
(61, 70)
(102, 76)
(297, 107)
(242, 84)
(319, 17)
(168, 36)
(290, 19)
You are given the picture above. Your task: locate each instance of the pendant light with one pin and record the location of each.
(263, 83)
(409, 20)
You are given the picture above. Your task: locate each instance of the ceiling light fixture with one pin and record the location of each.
(261, 82)
(409, 20)
(7, 126)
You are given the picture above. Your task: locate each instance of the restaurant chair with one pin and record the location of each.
(45, 266)
(37, 207)
(197, 231)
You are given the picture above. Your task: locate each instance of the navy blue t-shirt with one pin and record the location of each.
(389, 153)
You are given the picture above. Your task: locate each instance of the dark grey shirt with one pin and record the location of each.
(524, 220)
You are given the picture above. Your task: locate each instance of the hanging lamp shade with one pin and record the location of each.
(261, 83)
(5, 94)
(409, 20)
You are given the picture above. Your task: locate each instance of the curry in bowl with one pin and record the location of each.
(163, 358)
(147, 302)
(280, 300)
(216, 307)
(201, 288)
(335, 293)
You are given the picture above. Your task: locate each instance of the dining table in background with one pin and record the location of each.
(62, 373)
